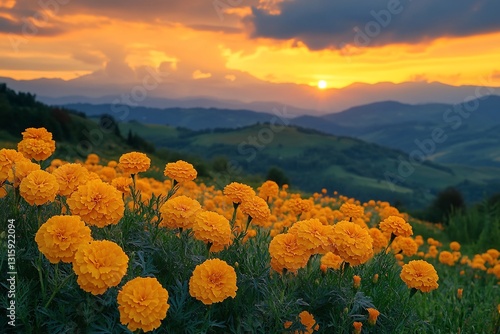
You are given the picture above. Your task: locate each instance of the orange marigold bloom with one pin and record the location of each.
(459, 293)
(372, 315)
(213, 281)
(269, 189)
(389, 211)
(98, 203)
(446, 257)
(307, 320)
(298, 206)
(352, 211)
(397, 226)
(122, 184)
(256, 208)
(180, 171)
(39, 187)
(7, 159)
(312, 235)
(407, 245)
(20, 169)
(353, 243)
(454, 246)
(143, 304)
(37, 144)
(331, 260)
(286, 253)
(101, 264)
(356, 281)
(211, 227)
(420, 275)
(134, 162)
(92, 159)
(179, 212)
(107, 174)
(70, 177)
(379, 240)
(357, 327)
(238, 192)
(61, 236)
(493, 253)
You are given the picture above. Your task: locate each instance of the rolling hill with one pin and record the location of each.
(313, 160)
(470, 130)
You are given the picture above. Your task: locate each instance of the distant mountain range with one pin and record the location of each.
(467, 133)
(246, 92)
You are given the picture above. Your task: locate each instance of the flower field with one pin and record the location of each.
(101, 248)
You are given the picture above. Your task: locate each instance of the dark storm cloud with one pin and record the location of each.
(333, 24)
(26, 26)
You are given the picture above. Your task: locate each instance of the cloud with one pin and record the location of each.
(333, 24)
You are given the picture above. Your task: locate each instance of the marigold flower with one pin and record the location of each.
(134, 162)
(92, 159)
(143, 304)
(286, 253)
(397, 226)
(256, 208)
(98, 203)
(211, 227)
(312, 235)
(7, 159)
(357, 327)
(379, 240)
(39, 187)
(459, 293)
(353, 243)
(107, 174)
(122, 184)
(420, 275)
(70, 177)
(179, 212)
(407, 245)
(180, 171)
(20, 169)
(61, 236)
(213, 281)
(352, 211)
(493, 253)
(356, 281)
(454, 246)
(446, 257)
(37, 144)
(375, 278)
(298, 206)
(238, 192)
(331, 260)
(372, 315)
(308, 321)
(269, 189)
(101, 264)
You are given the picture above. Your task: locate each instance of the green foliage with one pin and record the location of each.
(277, 175)
(447, 201)
(479, 226)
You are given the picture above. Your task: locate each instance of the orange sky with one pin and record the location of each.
(87, 42)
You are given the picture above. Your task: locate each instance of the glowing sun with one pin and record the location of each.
(322, 84)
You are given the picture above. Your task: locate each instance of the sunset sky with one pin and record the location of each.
(220, 43)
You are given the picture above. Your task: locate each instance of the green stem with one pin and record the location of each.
(40, 276)
(63, 283)
(235, 209)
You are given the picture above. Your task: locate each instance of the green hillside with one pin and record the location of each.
(313, 160)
